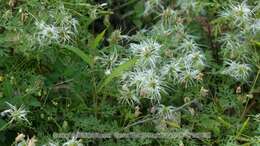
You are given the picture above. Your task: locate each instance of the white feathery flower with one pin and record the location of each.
(15, 114)
(152, 88)
(166, 112)
(231, 41)
(148, 52)
(46, 33)
(196, 58)
(67, 30)
(67, 25)
(172, 69)
(188, 75)
(66, 19)
(65, 34)
(128, 96)
(188, 45)
(239, 71)
(234, 46)
(153, 6)
(136, 78)
(73, 142)
(186, 70)
(239, 13)
(109, 61)
(51, 32)
(60, 29)
(148, 84)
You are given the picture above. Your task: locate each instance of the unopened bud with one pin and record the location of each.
(19, 137)
(199, 77)
(137, 111)
(238, 90)
(204, 92)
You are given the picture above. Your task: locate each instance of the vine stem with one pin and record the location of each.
(256, 78)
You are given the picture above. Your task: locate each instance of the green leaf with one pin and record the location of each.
(243, 127)
(173, 124)
(94, 44)
(87, 58)
(118, 71)
(225, 123)
(256, 43)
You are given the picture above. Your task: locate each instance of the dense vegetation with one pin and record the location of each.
(129, 66)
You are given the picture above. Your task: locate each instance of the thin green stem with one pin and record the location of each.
(94, 93)
(256, 78)
(251, 90)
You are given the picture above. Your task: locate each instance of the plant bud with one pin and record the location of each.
(204, 92)
(200, 76)
(238, 90)
(137, 111)
(12, 3)
(19, 137)
(24, 17)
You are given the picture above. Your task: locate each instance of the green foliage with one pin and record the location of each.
(129, 66)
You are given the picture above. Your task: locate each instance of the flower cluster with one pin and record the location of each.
(237, 70)
(236, 43)
(167, 55)
(47, 33)
(62, 29)
(186, 70)
(187, 67)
